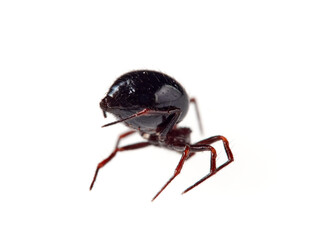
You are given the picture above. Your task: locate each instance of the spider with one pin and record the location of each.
(152, 104)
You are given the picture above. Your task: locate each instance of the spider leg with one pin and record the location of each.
(185, 155)
(164, 129)
(213, 169)
(193, 100)
(213, 139)
(170, 125)
(117, 149)
(204, 146)
(138, 114)
(123, 136)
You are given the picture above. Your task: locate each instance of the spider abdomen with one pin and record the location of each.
(144, 89)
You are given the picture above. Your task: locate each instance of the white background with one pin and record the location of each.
(253, 67)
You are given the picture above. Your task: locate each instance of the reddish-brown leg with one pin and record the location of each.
(213, 139)
(184, 156)
(213, 168)
(126, 134)
(193, 100)
(111, 156)
(125, 148)
(204, 145)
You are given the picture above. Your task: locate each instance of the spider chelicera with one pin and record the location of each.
(152, 103)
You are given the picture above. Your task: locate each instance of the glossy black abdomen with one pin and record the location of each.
(138, 90)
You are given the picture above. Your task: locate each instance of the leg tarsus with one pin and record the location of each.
(125, 148)
(184, 156)
(213, 168)
(204, 145)
(207, 176)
